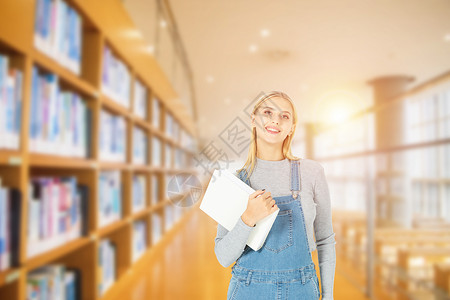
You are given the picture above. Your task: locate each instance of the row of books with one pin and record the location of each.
(58, 33)
(139, 239)
(156, 227)
(156, 151)
(172, 127)
(109, 197)
(156, 113)
(116, 78)
(60, 121)
(140, 146)
(139, 192)
(106, 265)
(11, 80)
(187, 140)
(10, 205)
(155, 189)
(54, 282)
(140, 100)
(112, 142)
(57, 212)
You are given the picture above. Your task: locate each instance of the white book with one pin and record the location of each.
(226, 199)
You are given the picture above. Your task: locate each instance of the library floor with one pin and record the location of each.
(184, 266)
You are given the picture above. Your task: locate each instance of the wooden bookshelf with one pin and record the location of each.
(100, 27)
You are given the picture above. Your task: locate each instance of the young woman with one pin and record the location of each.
(283, 267)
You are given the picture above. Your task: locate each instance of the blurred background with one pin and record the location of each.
(114, 114)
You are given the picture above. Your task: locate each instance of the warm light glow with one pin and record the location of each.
(265, 32)
(447, 37)
(209, 79)
(335, 107)
(253, 48)
(163, 23)
(150, 49)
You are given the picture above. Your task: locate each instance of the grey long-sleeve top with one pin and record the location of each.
(274, 176)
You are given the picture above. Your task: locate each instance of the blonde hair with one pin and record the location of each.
(286, 148)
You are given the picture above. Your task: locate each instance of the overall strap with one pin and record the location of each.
(295, 178)
(243, 176)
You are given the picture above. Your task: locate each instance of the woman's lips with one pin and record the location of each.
(272, 130)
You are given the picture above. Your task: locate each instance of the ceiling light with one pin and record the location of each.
(253, 48)
(265, 32)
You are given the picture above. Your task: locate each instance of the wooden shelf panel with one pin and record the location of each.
(9, 276)
(70, 78)
(53, 161)
(138, 215)
(115, 107)
(51, 255)
(110, 228)
(8, 157)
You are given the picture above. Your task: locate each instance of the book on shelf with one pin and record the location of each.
(57, 213)
(156, 151)
(139, 239)
(140, 142)
(106, 265)
(155, 189)
(110, 197)
(116, 78)
(10, 207)
(11, 81)
(168, 156)
(156, 227)
(58, 33)
(112, 141)
(54, 281)
(156, 113)
(140, 100)
(139, 192)
(60, 121)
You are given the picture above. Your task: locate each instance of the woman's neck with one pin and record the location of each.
(269, 152)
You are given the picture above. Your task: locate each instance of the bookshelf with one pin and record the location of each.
(148, 110)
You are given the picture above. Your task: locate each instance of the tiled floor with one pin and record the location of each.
(185, 267)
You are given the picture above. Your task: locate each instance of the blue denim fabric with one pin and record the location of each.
(283, 267)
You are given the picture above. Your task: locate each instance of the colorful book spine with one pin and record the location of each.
(140, 142)
(116, 78)
(10, 105)
(156, 227)
(156, 151)
(139, 239)
(58, 33)
(53, 282)
(106, 265)
(139, 192)
(59, 120)
(140, 100)
(54, 213)
(168, 162)
(112, 137)
(110, 197)
(156, 113)
(155, 190)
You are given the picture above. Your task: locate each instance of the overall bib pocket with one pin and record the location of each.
(280, 235)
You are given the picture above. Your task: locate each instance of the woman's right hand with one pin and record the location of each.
(260, 205)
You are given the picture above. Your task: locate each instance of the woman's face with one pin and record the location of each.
(273, 120)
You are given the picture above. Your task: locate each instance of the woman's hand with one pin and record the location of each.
(260, 205)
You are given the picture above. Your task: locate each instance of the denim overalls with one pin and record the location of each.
(282, 268)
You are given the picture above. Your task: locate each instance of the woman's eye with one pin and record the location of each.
(286, 117)
(267, 112)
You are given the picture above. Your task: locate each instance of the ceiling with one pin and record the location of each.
(314, 51)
